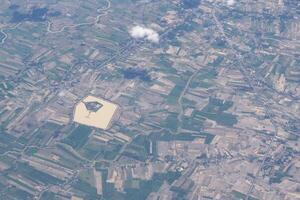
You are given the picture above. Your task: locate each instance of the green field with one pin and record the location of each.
(36, 175)
(215, 110)
(78, 137)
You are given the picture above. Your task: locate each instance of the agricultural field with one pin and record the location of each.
(149, 99)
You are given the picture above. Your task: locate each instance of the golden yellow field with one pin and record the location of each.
(100, 119)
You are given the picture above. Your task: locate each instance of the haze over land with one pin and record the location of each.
(148, 100)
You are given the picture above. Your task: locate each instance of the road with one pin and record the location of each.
(258, 92)
(128, 47)
(49, 26)
(5, 34)
(95, 21)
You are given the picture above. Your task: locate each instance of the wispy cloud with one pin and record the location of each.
(230, 2)
(140, 32)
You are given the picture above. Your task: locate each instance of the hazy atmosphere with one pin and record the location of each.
(149, 100)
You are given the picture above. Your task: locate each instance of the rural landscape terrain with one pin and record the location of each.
(149, 99)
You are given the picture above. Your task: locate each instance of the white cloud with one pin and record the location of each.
(140, 32)
(230, 2)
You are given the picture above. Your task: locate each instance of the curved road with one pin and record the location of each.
(82, 24)
(5, 34)
(96, 20)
